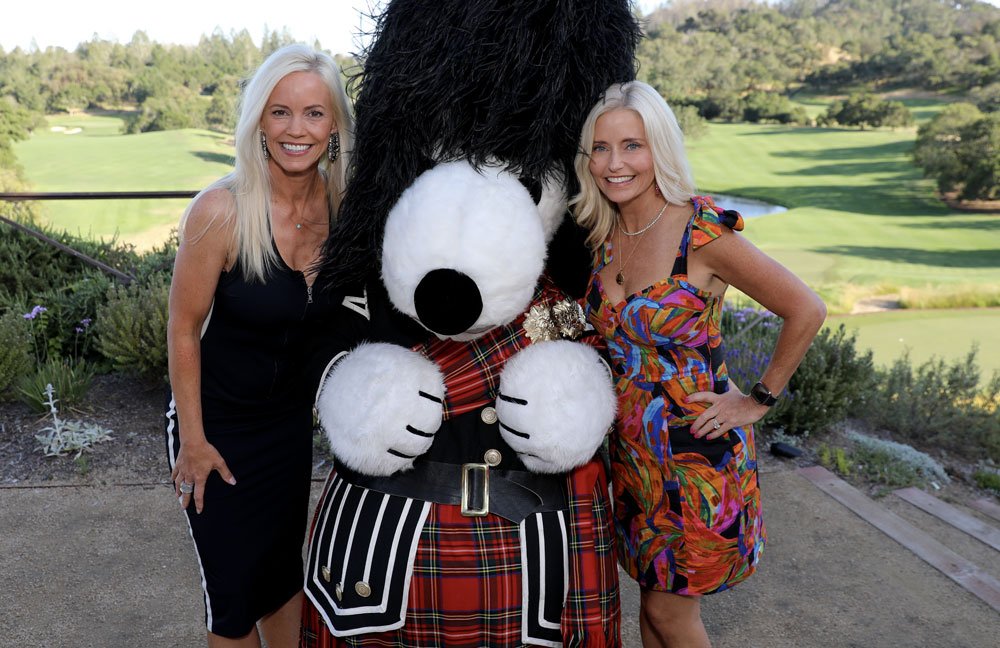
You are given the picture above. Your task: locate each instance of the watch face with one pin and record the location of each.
(760, 394)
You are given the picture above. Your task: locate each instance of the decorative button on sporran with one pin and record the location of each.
(362, 589)
(326, 573)
(492, 457)
(488, 415)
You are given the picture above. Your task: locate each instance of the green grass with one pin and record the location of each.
(946, 334)
(100, 158)
(859, 211)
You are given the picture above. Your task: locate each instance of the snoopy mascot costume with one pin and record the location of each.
(468, 501)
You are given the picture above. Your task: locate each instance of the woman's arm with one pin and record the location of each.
(737, 262)
(202, 255)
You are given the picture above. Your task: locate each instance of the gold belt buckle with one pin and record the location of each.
(467, 470)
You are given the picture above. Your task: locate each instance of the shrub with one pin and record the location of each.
(895, 464)
(940, 404)
(32, 266)
(15, 350)
(835, 459)
(987, 479)
(69, 379)
(763, 106)
(864, 109)
(61, 317)
(830, 383)
(132, 327)
(691, 123)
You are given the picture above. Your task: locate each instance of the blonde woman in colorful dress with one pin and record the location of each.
(684, 467)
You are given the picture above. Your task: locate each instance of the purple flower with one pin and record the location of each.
(35, 312)
(78, 329)
(86, 322)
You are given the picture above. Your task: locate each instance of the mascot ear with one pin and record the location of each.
(568, 263)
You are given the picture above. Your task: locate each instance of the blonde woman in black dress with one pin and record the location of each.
(239, 422)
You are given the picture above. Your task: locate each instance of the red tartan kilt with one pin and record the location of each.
(465, 589)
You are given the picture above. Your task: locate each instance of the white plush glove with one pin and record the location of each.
(556, 403)
(380, 407)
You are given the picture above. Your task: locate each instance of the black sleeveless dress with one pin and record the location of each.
(258, 384)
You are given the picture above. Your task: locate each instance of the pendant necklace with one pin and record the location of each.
(620, 277)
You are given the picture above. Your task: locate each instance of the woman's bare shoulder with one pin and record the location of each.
(211, 214)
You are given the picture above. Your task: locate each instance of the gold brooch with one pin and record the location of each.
(564, 319)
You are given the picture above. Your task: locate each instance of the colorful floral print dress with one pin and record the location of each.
(687, 511)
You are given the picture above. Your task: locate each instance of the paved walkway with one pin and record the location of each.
(111, 566)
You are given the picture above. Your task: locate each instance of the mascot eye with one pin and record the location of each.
(533, 186)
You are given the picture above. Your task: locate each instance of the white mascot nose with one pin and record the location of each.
(463, 249)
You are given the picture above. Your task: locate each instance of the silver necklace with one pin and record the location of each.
(622, 229)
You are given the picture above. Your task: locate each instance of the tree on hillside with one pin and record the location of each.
(177, 108)
(960, 148)
(15, 124)
(980, 155)
(865, 109)
(987, 98)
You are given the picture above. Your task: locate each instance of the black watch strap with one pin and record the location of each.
(762, 395)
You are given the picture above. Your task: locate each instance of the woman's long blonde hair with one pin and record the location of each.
(249, 181)
(670, 165)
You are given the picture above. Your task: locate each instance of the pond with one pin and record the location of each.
(747, 207)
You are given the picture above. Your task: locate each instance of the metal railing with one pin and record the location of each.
(22, 196)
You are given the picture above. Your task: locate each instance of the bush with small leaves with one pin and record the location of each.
(15, 351)
(940, 404)
(896, 464)
(987, 480)
(70, 379)
(829, 385)
(132, 327)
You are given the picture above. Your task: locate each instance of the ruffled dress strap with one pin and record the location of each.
(709, 219)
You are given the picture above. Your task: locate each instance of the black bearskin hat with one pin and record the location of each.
(508, 81)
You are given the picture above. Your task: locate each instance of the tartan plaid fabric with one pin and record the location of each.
(466, 586)
(472, 369)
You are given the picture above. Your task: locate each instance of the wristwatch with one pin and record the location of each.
(762, 395)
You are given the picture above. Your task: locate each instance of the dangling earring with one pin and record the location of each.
(656, 190)
(333, 147)
(263, 145)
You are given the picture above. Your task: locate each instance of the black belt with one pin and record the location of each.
(477, 487)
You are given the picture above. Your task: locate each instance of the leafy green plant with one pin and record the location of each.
(895, 464)
(32, 267)
(70, 379)
(64, 437)
(132, 327)
(940, 404)
(987, 479)
(831, 382)
(15, 350)
(61, 317)
(835, 458)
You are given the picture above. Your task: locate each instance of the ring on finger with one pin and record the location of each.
(715, 424)
(186, 487)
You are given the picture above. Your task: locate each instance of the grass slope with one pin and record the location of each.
(859, 211)
(948, 334)
(99, 158)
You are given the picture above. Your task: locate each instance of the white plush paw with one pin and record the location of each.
(380, 408)
(556, 403)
